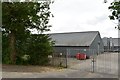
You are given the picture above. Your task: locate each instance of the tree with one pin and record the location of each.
(115, 8)
(19, 17)
(41, 49)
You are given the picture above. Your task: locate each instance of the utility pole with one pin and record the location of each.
(118, 25)
(119, 31)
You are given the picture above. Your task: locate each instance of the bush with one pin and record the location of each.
(33, 50)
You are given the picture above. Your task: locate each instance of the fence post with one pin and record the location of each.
(93, 62)
(93, 65)
(60, 59)
(66, 58)
(53, 60)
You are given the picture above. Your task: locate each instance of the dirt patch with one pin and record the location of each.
(29, 68)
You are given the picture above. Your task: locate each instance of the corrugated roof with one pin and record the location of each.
(74, 38)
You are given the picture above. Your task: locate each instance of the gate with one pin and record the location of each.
(98, 62)
(107, 63)
(74, 63)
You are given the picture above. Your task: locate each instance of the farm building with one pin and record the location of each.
(71, 43)
(111, 44)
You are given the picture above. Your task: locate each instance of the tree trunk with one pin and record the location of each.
(12, 42)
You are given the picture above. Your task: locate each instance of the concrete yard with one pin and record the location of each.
(106, 66)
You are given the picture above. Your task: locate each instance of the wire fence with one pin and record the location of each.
(58, 59)
(93, 61)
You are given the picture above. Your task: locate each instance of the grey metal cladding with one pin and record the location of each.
(74, 38)
(115, 41)
(105, 41)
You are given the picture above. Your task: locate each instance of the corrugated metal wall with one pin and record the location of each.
(97, 45)
(64, 49)
(93, 48)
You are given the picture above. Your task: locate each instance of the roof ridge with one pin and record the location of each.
(76, 32)
(94, 37)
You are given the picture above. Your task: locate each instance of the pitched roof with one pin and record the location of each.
(74, 38)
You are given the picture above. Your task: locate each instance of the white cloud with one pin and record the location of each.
(82, 15)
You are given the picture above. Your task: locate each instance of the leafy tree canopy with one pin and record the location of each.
(115, 8)
(17, 20)
(19, 17)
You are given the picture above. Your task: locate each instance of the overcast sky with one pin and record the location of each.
(82, 15)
